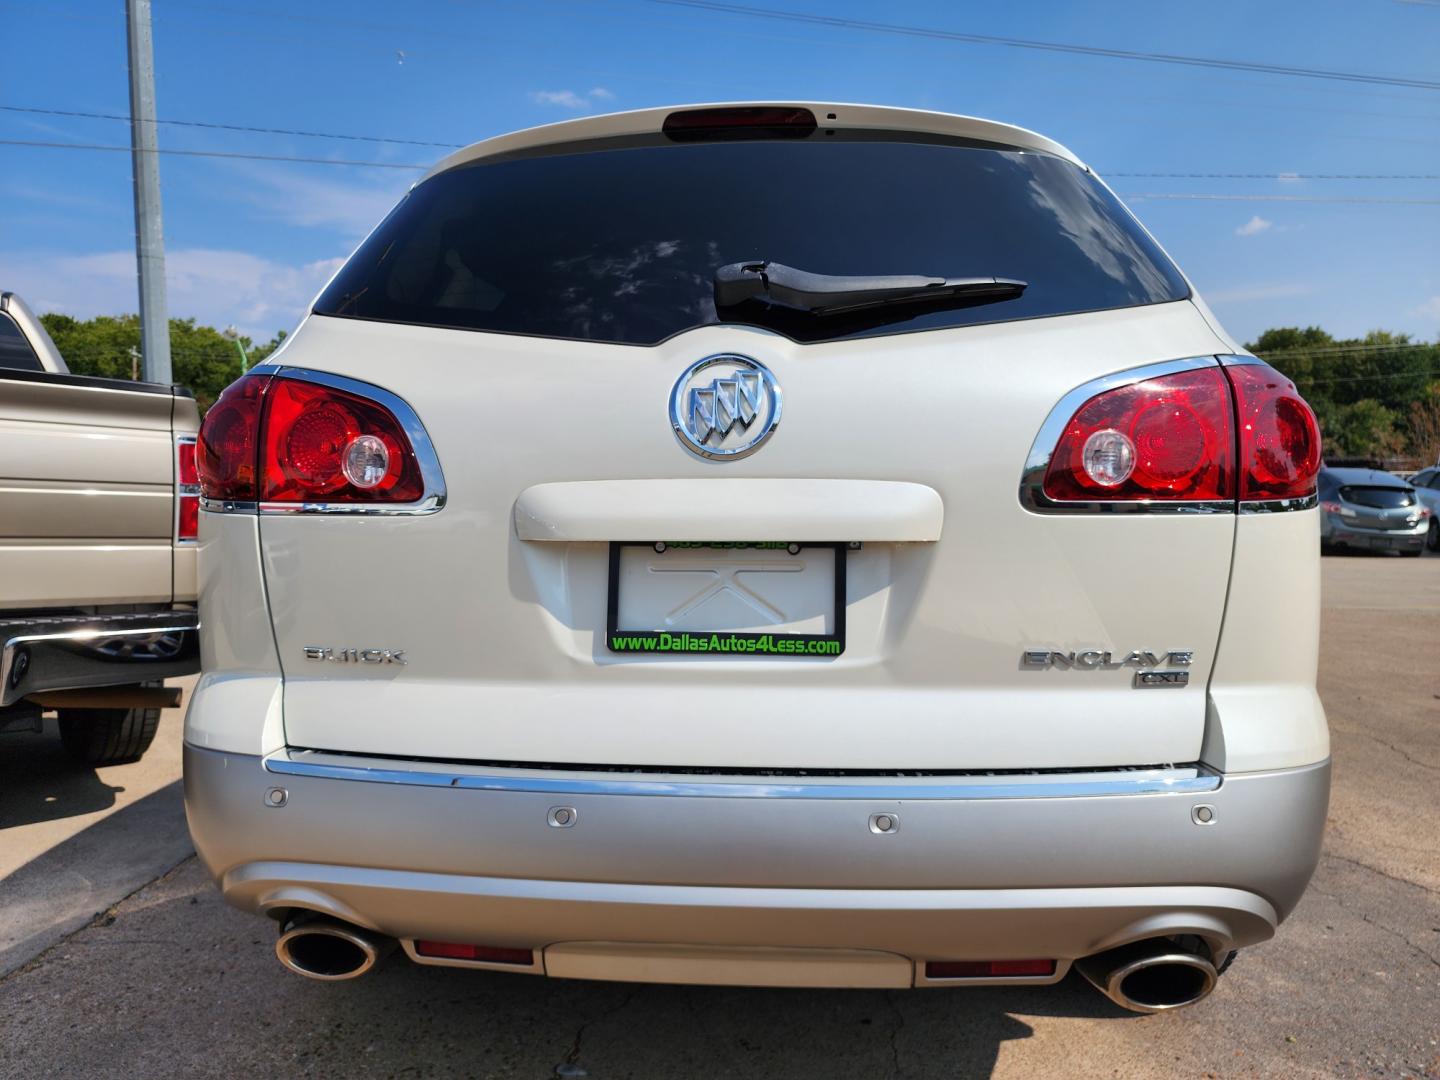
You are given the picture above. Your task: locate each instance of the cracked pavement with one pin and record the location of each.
(168, 982)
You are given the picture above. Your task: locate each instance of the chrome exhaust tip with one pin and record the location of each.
(1151, 976)
(320, 947)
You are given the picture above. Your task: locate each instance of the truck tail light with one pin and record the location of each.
(187, 490)
(1279, 437)
(278, 439)
(1169, 438)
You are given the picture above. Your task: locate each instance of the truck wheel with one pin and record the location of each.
(107, 736)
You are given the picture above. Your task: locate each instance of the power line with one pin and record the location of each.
(1374, 378)
(1212, 196)
(216, 154)
(1283, 176)
(1048, 46)
(215, 125)
(420, 166)
(1336, 351)
(230, 127)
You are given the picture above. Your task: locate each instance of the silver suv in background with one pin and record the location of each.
(1427, 489)
(593, 586)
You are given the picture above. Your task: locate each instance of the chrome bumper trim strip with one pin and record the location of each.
(1182, 780)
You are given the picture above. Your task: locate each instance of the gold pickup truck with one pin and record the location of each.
(98, 509)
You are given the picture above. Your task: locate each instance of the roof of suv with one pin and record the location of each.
(837, 116)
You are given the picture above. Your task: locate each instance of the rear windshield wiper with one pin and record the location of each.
(830, 294)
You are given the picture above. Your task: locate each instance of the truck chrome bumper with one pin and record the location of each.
(969, 868)
(69, 652)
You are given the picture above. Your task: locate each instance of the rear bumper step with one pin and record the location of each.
(70, 652)
(917, 876)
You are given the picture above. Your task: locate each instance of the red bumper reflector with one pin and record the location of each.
(489, 954)
(987, 969)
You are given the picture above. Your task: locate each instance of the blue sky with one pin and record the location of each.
(249, 242)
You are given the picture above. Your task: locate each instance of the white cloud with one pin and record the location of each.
(301, 198)
(1430, 309)
(1256, 224)
(216, 287)
(569, 99)
(1289, 178)
(566, 99)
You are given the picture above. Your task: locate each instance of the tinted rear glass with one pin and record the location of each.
(1379, 498)
(15, 350)
(600, 242)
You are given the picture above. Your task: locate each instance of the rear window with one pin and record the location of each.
(1379, 498)
(619, 242)
(15, 350)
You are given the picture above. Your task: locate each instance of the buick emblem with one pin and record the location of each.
(724, 407)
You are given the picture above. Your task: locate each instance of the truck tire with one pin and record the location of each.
(107, 736)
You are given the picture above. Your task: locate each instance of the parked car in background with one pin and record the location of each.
(537, 642)
(1427, 489)
(1370, 510)
(97, 546)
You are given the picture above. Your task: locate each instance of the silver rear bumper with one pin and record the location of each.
(972, 870)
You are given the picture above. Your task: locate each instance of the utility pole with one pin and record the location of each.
(145, 161)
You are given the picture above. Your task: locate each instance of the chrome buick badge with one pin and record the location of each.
(724, 407)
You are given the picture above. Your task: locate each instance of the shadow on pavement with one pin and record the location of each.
(40, 782)
(59, 891)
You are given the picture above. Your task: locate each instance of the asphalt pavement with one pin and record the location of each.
(165, 981)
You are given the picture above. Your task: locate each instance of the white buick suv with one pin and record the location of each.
(781, 544)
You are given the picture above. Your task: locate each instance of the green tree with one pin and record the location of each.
(201, 357)
(1363, 389)
(1364, 429)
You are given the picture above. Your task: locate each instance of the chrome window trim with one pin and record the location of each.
(1190, 779)
(431, 501)
(1032, 480)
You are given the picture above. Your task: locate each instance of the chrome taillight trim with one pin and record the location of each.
(1187, 779)
(430, 502)
(1281, 506)
(1032, 480)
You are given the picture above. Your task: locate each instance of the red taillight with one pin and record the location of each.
(226, 456)
(489, 954)
(187, 521)
(326, 445)
(1168, 438)
(987, 969)
(286, 440)
(185, 463)
(187, 490)
(739, 122)
(1279, 437)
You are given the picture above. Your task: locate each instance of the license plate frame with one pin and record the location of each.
(755, 644)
